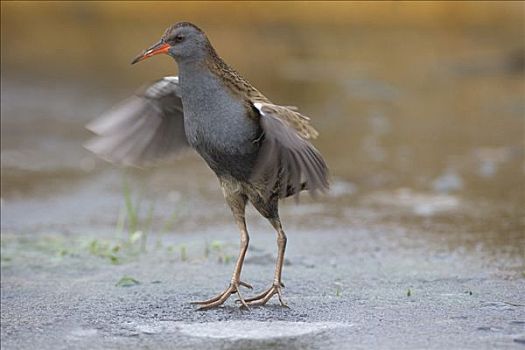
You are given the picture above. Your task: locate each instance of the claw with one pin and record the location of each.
(246, 285)
(242, 301)
(280, 296)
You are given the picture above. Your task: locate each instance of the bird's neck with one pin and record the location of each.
(195, 74)
(205, 73)
(199, 63)
(212, 67)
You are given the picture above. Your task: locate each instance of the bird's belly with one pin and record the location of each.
(237, 166)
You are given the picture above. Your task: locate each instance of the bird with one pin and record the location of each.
(261, 152)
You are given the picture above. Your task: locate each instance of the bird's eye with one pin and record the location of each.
(178, 38)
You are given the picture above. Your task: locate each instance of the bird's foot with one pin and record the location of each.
(265, 296)
(219, 299)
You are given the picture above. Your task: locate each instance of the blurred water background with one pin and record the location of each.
(420, 107)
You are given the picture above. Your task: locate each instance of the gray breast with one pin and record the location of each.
(218, 127)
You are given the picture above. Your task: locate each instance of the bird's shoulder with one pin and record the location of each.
(258, 105)
(288, 115)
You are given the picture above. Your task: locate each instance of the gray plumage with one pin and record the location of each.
(259, 151)
(216, 123)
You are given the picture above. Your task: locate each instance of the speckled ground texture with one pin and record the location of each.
(350, 283)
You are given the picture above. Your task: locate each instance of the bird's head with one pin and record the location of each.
(182, 41)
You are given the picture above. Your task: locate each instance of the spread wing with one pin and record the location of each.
(142, 129)
(287, 161)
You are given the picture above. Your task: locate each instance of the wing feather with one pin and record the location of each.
(142, 129)
(287, 161)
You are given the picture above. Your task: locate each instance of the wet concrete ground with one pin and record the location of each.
(358, 282)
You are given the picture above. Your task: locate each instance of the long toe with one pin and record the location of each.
(208, 301)
(219, 299)
(215, 303)
(257, 297)
(265, 296)
(242, 301)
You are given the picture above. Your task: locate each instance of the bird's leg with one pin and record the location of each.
(263, 298)
(237, 204)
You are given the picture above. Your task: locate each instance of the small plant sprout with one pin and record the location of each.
(127, 281)
(105, 250)
(135, 237)
(183, 253)
(121, 221)
(218, 247)
(132, 229)
(131, 210)
(166, 227)
(338, 288)
(147, 227)
(206, 250)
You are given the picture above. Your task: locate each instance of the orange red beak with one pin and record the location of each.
(156, 49)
